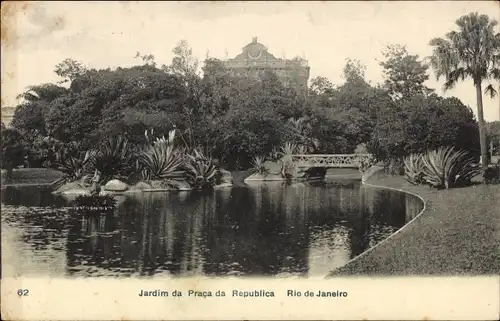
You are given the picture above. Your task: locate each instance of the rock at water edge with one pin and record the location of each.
(115, 185)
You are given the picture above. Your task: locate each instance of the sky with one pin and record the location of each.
(109, 34)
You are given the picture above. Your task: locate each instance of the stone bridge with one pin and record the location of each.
(329, 160)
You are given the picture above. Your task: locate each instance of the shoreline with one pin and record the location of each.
(456, 233)
(387, 239)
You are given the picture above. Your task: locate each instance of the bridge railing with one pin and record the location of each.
(329, 160)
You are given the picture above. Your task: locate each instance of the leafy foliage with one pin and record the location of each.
(13, 150)
(493, 130)
(234, 118)
(365, 163)
(421, 123)
(404, 74)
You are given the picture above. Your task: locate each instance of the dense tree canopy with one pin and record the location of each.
(423, 123)
(236, 118)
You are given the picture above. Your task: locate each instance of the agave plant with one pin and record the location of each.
(287, 151)
(414, 169)
(200, 170)
(113, 158)
(161, 160)
(258, 165)
(447, 167)
(75, 164)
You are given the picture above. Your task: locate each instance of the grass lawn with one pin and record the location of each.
(458, 234)
(32, 176)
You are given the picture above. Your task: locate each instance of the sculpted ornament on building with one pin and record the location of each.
(255, 49)
(255, 54)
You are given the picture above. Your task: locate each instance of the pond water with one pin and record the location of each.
(303, 229)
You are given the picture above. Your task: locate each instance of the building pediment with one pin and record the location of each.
(255, 51)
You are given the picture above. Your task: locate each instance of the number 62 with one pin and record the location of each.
(22, 292)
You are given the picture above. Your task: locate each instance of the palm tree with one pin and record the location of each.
(473, 51)
(48, 92)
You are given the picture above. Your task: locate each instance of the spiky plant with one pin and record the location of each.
(75, 164)
(200, 170)
(414, 169)
(446, 167)
(161, 160)
(113, 158)
(287, 151)
(258, 165)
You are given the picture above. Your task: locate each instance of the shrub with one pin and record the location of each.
(161, 160)
(414, 169)
(13, 151)
(445, 167)
(200, 170)
(41, 150)
(365, 162)
(394, 166)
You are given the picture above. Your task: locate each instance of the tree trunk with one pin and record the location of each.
(482, 131)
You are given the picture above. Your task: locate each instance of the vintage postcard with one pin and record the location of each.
(250, 160)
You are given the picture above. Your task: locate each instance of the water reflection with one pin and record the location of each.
(301, 229)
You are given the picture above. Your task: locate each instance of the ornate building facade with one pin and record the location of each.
(256, 59)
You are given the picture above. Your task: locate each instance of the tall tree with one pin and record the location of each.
(69, 70)
(320, 85)
(405, 74)
(354, 72)
(472, 51)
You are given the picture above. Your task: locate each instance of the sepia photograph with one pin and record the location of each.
(250, 160)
